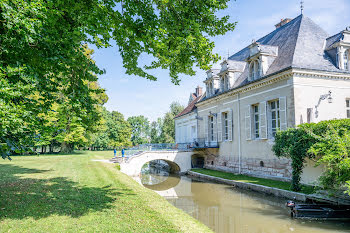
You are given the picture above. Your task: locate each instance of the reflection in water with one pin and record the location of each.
(226, 209)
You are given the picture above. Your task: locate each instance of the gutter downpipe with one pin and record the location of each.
(239, 133)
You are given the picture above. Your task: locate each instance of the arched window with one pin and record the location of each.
(346, 60)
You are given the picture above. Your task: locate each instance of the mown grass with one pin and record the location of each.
(254, 180)
(72, 193)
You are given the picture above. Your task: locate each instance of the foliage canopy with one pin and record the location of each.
(326, 142)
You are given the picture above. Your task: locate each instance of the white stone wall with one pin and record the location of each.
(184, 126)
(300, 92)
(241, 154)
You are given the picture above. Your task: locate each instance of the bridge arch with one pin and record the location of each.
(180, 161)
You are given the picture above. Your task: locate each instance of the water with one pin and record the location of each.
(226, 209)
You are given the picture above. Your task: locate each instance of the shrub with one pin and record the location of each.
(327, 142)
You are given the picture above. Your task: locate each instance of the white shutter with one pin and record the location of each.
(248, 122)
(263, 120)
(206, 128)
(230, 125)
(219, 127)
(283, 113)
(215, 129)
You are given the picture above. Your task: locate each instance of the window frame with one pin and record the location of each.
(256, 120)
(226, 83)
(346, 59)
(274, 107)
(225, 125)
(211, 128)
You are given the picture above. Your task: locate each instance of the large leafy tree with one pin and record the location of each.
(42, 50)
(140, 130)
(119, 130)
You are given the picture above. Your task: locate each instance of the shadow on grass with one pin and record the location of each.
(39, 198)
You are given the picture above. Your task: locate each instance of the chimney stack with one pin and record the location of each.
(199, 91)
(283, 22)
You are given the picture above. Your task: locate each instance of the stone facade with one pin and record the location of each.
(284, 79)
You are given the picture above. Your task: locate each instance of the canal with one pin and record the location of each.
(227, 209)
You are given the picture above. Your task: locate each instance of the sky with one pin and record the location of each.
(133, 96)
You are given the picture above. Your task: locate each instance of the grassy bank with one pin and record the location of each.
(254, 180)
(73, 193)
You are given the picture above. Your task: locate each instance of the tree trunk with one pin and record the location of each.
(67, 147)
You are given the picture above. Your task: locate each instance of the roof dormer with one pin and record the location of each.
(212, 82)
(338, 48)
(260, 58)
(229, 73)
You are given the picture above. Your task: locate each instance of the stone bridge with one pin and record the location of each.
(179, 161)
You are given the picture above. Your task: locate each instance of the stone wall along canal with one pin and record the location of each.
(227, 209)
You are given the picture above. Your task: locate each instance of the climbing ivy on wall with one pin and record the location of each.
(294, 143)
(327, 143)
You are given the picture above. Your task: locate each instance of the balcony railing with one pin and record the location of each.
(198, 143)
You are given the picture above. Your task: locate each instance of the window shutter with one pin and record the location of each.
(283, 113)
(215, 129)
(248, 122)
(219, 127)
(263, 120)
(230, 125)
(206, 128)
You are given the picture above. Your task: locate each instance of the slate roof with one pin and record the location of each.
(333, 39)
(191, 107)
(301, 44)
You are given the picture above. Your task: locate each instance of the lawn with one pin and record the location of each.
(254, 180)
(73, 193)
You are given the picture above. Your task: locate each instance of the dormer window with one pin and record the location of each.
(254, 70)
(212, 82)
(226, 83)
(260, 58)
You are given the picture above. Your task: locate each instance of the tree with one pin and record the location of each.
(42, 50)
(140, 130)
(168, 126)
(156, 130)
(119, 130)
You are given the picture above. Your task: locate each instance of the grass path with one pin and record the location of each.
(254, 180)
(72, 193)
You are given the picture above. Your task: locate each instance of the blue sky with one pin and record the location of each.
(133, 95)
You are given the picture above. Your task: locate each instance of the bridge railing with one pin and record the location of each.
(198, 143)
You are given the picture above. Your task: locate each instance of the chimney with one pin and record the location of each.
(199, 91)
(283, 22)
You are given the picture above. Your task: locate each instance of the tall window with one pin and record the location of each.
(251, 71)
(225, 117)
(256, 120)
(226, 86)
(348, 108)
(346, 60)
(222, 83)
(211, 127)
(275, 116)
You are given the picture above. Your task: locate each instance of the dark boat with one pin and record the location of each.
(319, 211)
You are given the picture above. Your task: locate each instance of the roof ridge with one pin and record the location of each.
(262, 38)
(296, 41)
